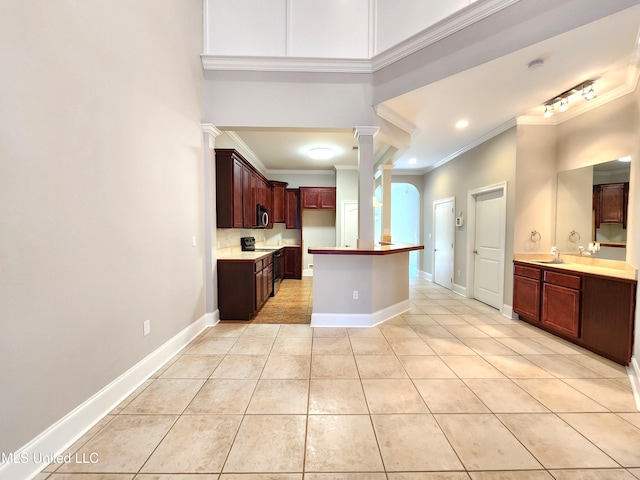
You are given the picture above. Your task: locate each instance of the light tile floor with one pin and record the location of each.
(449, 391)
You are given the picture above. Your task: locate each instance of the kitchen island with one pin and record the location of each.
(360, 287)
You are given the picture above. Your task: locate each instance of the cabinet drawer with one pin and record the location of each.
(528, 272)
(562, 279)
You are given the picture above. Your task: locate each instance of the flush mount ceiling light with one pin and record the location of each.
(412, 161)
(321, 153)
(462, 124)
(561, 102)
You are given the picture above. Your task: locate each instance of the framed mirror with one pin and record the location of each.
(591, 206)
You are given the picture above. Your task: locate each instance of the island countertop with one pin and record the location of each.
(376, 250)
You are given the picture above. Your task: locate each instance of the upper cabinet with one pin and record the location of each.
(239, 191)
(292, 208)
(610, 203)
(320, 198)
(278, 213)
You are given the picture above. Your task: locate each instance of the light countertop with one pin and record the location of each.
(589, 265)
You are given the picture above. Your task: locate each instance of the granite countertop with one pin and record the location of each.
(574, 263)
(261, 251)
(377, 250)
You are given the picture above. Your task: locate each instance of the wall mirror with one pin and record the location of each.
(591, 206)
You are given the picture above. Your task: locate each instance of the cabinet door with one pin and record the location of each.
(526, 297)
(327, 197)
(292, 263)
(246, 198)
(611, 203)
(237, 193)
(292, 208)
(561, 309)
(309, 198)
(277, 213)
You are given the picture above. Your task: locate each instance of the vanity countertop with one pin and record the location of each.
(578, 264)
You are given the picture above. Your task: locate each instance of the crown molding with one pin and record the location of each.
(345, 167)
(210, 129)
(475, 12)
(394, 118)
(363, 131)
(286, 64)
(301, 172)
(246, 151)
(478, 141)
(459, 20)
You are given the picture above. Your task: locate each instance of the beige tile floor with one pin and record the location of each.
(449, 391)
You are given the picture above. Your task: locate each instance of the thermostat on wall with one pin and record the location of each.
(459, 221)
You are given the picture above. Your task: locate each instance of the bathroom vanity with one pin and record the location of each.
(587, 301)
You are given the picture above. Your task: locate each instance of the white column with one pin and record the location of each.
(209, 133)
(386, 203)
(365, 185)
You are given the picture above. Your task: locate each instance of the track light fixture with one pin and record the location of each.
(561, 102)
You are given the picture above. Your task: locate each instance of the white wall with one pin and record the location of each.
(101, 191)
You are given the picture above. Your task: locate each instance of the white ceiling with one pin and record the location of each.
(490, 96)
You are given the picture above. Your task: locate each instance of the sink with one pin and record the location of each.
(556, 262)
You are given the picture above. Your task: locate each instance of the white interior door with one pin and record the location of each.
(349, 224)
(489, 247)
(443, 238)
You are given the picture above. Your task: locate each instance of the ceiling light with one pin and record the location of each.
(462, 124)
(561, 101)
(564, 104)
(588, 92)
(412, 161)
(321, 153)
(625, 159)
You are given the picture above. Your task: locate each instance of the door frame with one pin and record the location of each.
(433, 240)
(345, 204)
(471, 235)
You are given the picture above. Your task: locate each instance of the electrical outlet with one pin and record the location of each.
(193, 241)
(355, 294)
(146, 328)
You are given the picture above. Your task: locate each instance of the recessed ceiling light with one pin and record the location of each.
(321, 153)
(624, 159)
(412, 161)
(462, 123)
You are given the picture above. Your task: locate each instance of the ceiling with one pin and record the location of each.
(490, 96)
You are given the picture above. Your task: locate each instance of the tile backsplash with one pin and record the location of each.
(228, 239)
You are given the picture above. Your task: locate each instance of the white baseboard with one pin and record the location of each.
(307, 272)
(459, 289)
(507, 311)
(212, 318)
(359, 319)
(62, 434)
(426, 275)
(633, 370)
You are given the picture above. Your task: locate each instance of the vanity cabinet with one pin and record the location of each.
(593, 311)
(243, 287)
(561, 303)
(526, 292)
(319, 198)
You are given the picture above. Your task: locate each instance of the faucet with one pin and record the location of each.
(555, 251)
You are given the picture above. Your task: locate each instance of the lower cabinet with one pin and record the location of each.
(292, 262)
(592, 311)
(243, 287)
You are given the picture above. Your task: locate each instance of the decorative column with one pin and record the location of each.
(209, 134)
(386, 203)
(365, 185)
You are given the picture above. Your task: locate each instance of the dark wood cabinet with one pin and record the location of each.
(243, 287)
(319, 198)
(526, 292)
(292, 208)
(239, 190)
(589, 310)
(278, 213)
(561, 303)
(610, 203)
(292, 262)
